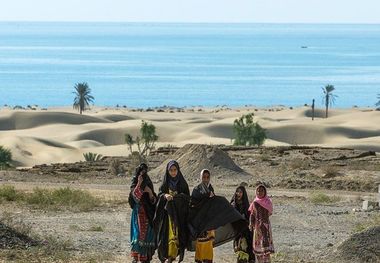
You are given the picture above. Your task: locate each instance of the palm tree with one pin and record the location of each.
(82, 96)
(378, 97)
(328, 97)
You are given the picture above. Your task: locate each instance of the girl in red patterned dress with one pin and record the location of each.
(261, 208)
(142, 200)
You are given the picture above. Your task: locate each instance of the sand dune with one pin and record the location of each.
(298, 134)
(27, 120)
(116, 117)
(62, 135)
(218, 130)
(85, 144)
(28, 151)
(104, 136)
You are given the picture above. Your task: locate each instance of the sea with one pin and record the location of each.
(184, 65)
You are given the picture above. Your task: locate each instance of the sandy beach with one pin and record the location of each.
(59, 135)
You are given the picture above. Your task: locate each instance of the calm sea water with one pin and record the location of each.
(143, 64)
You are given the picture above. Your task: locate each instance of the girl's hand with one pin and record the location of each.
(168, 197)
(250, 227)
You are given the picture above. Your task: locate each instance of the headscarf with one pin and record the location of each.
(244, 205)
(146, 178)
(173, 181)
(265, 201)
(202, 172)
(177, 183)
(146, 182)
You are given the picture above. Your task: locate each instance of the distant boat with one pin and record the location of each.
(304, 47)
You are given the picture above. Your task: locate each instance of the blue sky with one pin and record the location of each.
(258, 11)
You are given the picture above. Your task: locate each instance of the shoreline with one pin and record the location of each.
(34, 107)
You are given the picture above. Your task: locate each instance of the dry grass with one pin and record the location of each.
(330, 171)
(58, 199)
(47, 249)
(116, 168)
(8, 193)
(322, 198)
(96, 229)
(299, 163)
(373, 220)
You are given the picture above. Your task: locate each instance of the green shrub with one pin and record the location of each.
(92, 157)
(146, 142)
(5, 158)
(247, 132)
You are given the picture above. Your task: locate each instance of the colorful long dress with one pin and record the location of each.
(142, 234)
(173, 246)
(262, 234)
(204, 247)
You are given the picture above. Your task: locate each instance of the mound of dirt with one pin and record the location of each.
(10, 238)
(362, 247)
(192, 158)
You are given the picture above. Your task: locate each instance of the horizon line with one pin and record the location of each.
(187, 22)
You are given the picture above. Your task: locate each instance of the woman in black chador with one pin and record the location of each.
(170, 221)
(242, 243)
(212, 220)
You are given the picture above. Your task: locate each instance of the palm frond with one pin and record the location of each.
(82, 96)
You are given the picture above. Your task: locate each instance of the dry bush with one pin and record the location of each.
(116, 168)
(330, 171)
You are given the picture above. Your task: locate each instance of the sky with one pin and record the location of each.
(193, 11)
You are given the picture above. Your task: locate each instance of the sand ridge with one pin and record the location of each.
(62, 135)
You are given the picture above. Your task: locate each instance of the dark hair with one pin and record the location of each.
(146, 182)
(263, 187)
(243, 208)
(206, 172)
(140, 168)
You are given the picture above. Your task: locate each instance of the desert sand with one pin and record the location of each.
(60, 135)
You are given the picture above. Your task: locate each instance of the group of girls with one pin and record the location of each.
(173, 221)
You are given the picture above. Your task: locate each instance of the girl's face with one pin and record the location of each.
(239, 194)
(260, 192)
(173, 171)
(206, 178)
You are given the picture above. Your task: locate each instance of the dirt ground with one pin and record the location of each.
(303, 230)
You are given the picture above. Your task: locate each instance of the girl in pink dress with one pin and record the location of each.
(260, 210)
